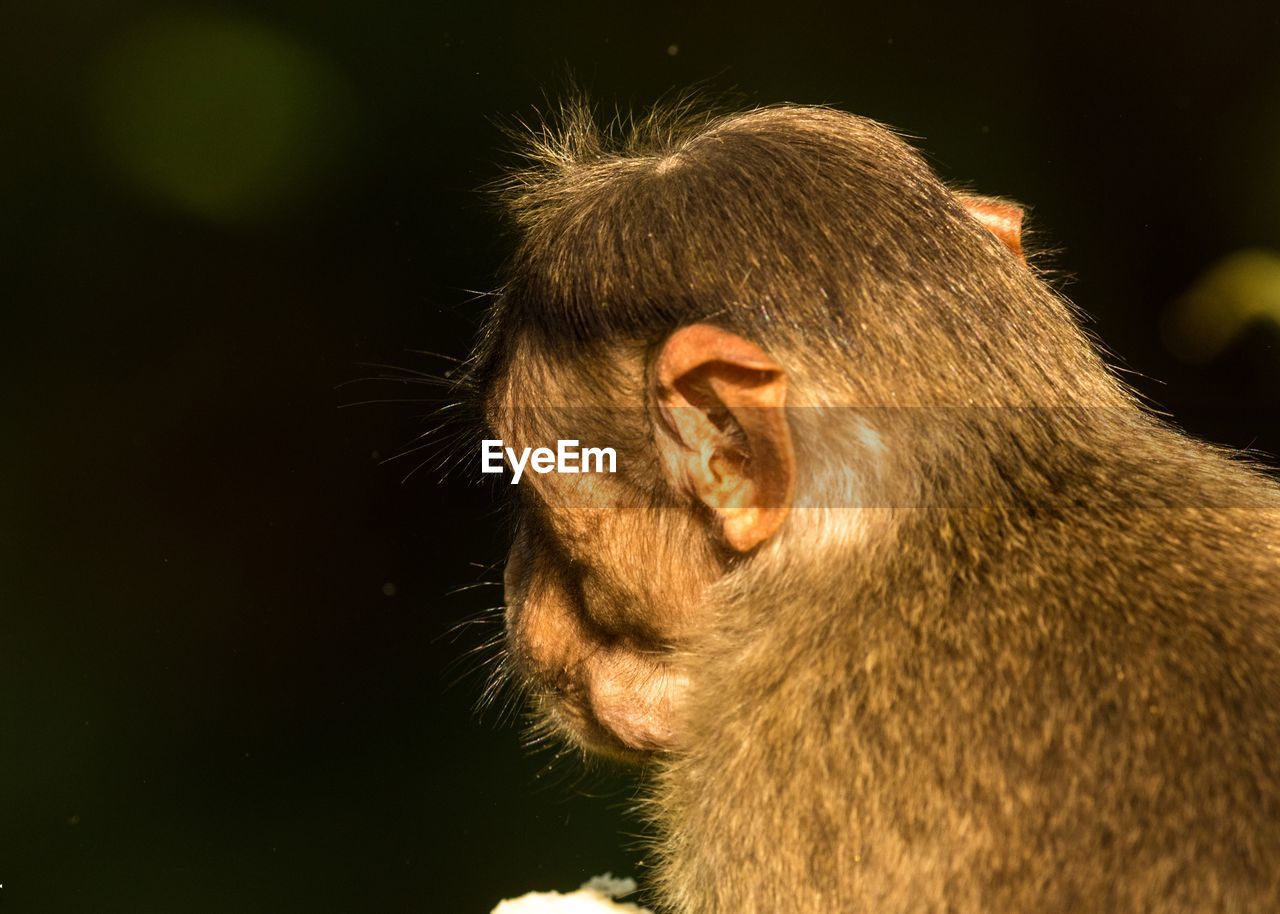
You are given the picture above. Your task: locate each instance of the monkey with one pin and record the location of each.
(903, 600)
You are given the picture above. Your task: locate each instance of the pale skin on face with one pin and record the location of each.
(602, 600)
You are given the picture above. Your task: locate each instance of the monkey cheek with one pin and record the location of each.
(637, 702)
(611, 698)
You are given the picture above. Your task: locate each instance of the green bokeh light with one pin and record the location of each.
(224, 118)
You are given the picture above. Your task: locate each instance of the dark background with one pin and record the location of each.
(224, 663)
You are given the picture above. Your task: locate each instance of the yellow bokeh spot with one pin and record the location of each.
(224, 118)
(1238, 290)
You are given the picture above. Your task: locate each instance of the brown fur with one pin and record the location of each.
(1017, 647)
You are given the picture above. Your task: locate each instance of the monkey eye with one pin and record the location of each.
(528, 510)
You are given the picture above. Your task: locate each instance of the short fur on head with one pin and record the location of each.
(1006, 641)
(795, 223)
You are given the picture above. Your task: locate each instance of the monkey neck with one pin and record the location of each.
(962, 496)
(926, 663)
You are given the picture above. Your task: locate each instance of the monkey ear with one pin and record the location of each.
(721, 399)
(1001, 218)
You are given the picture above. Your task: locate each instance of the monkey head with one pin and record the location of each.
(676, 299)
